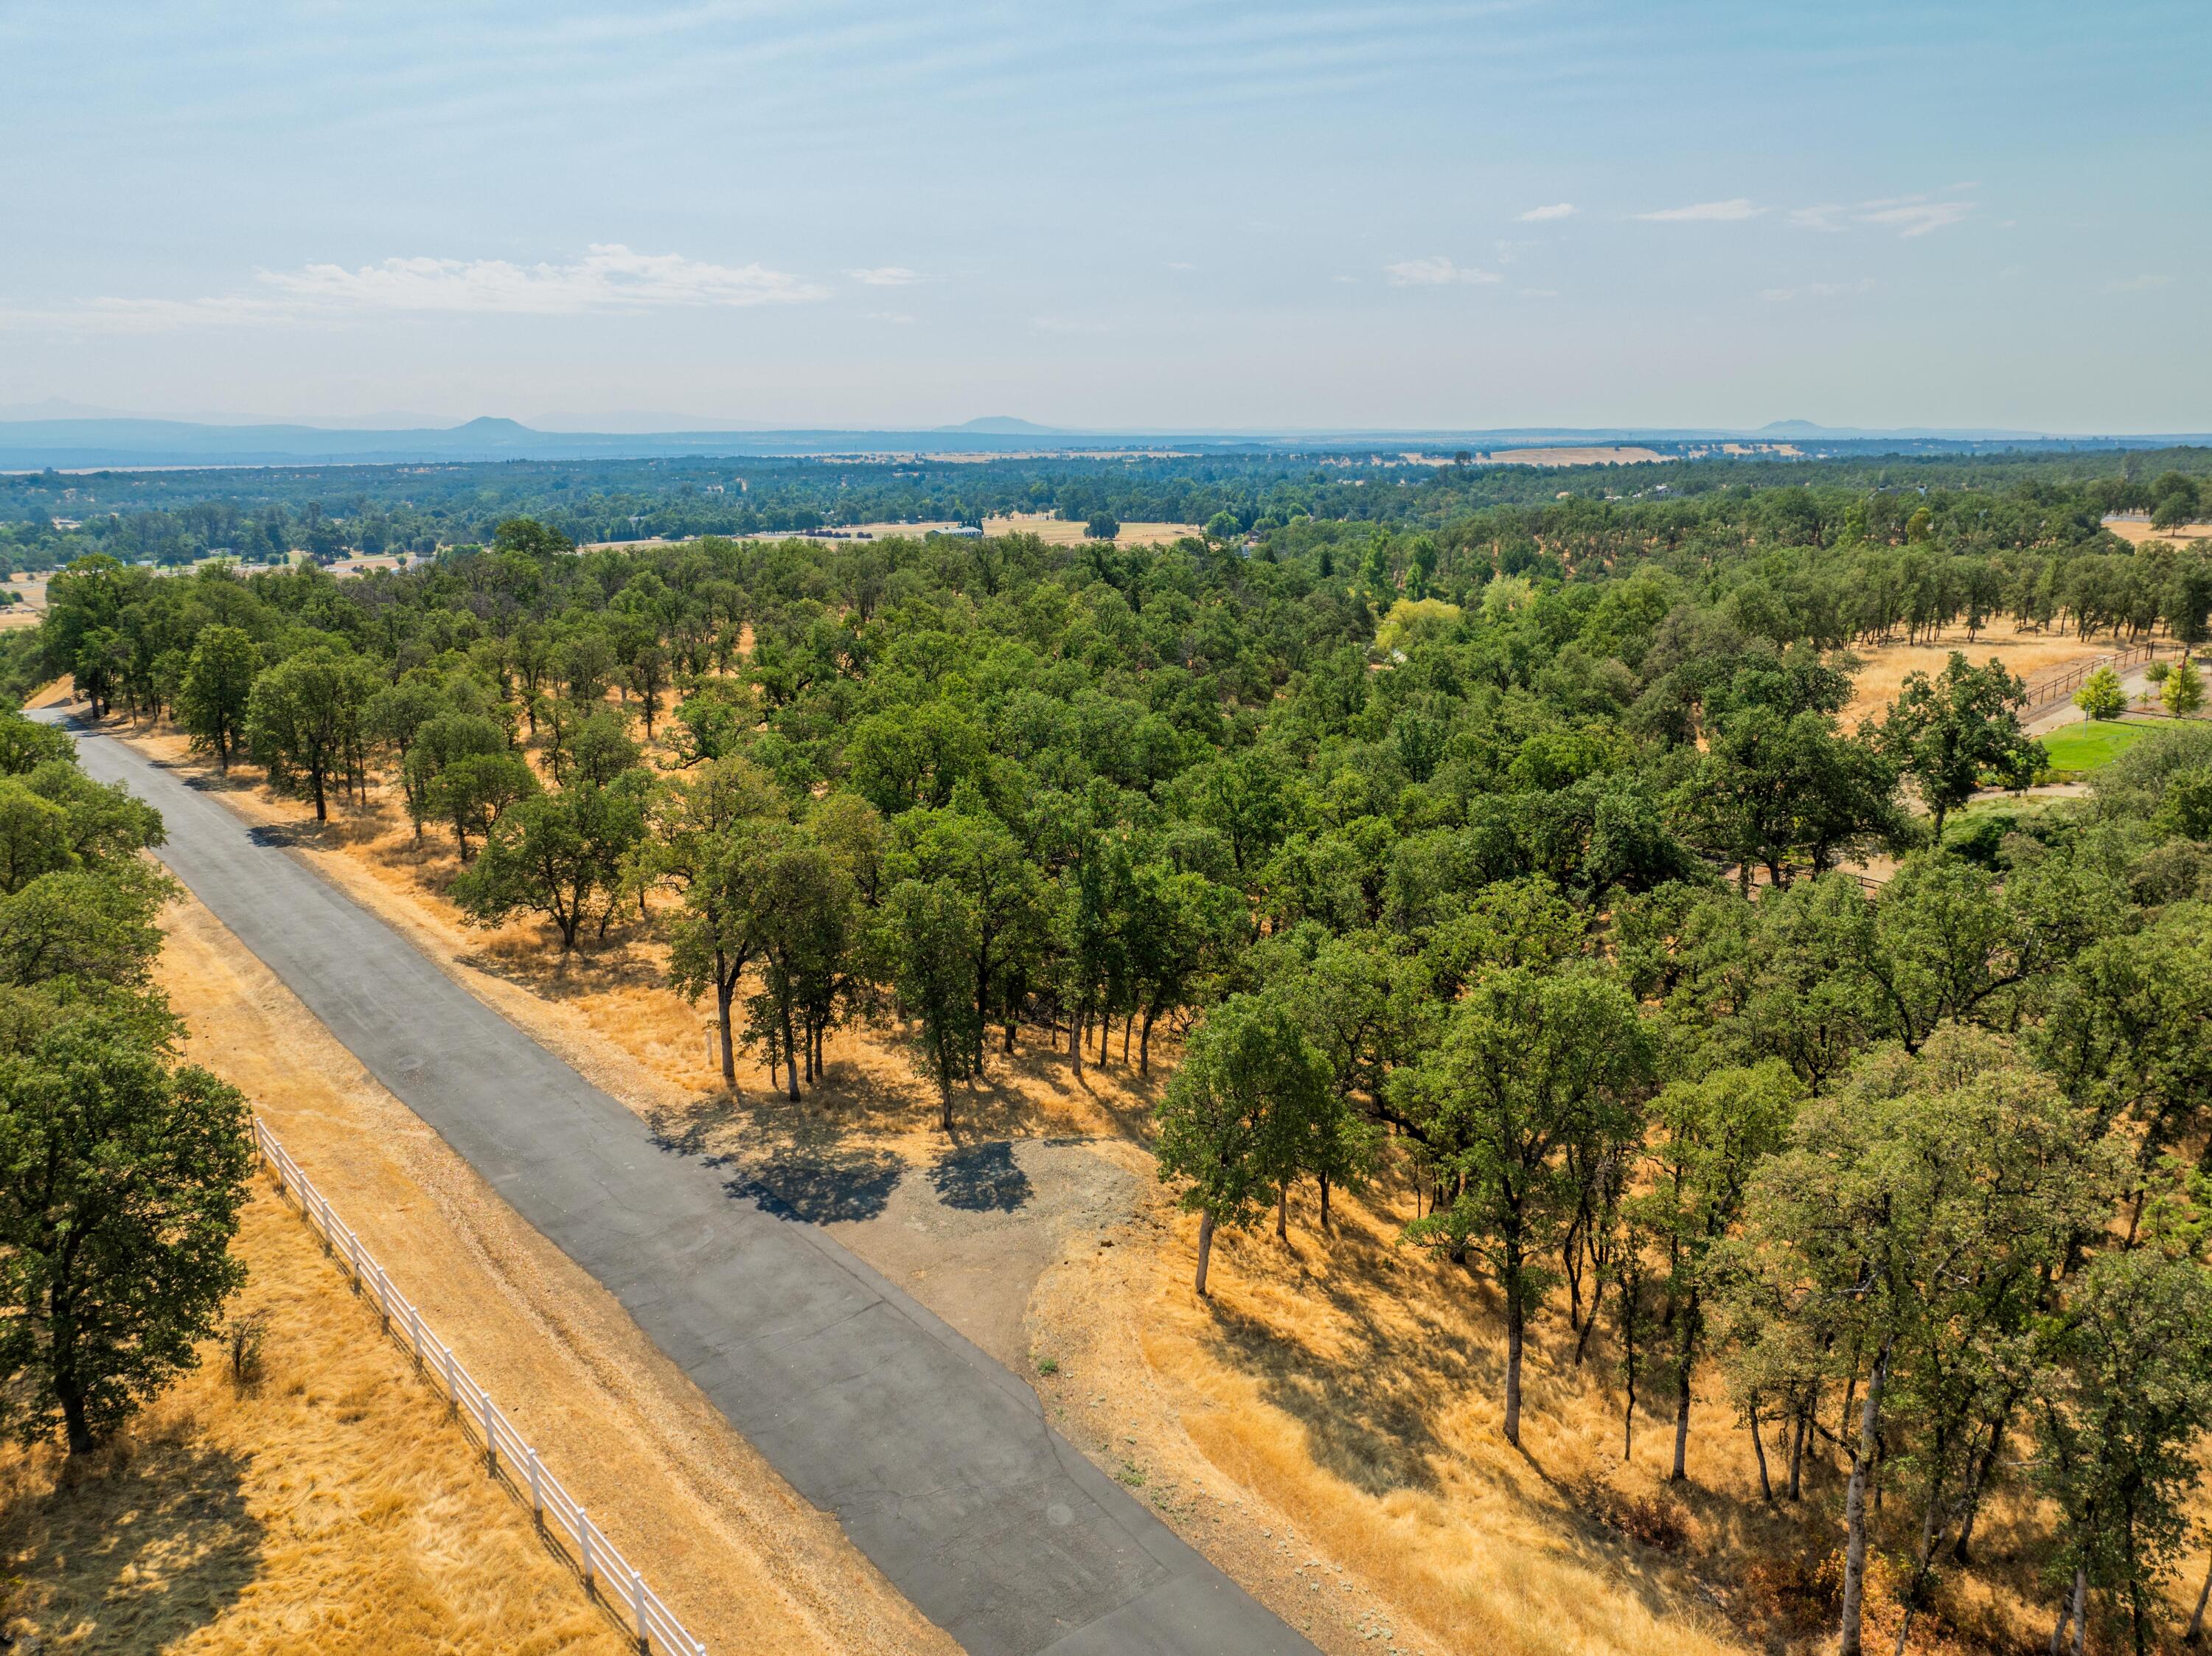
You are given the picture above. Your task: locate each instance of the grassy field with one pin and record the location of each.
(2025, 654)
(2077, 749)
(330, 1507)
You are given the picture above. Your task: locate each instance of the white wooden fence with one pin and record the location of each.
(606, 1573)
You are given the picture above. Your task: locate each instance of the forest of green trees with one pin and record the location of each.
(122, 1169)
(260, 514)
(1508, 851)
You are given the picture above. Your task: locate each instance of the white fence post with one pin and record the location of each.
(338, 1239)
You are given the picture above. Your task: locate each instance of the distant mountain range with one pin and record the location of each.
(69, 436)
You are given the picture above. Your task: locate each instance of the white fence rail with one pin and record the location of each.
(607, 1575)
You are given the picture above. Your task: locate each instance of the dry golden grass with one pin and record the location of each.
(2136, 532)
(1617, 455)
(1056, 531)
(726, 1542)
(1331, 1416)
(2027, 654)
(332, 1507)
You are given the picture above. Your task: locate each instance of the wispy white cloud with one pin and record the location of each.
(1705, 212)
(1912, 215)
(1829, 215)
(1558, 210)
(1817, 290)
(2138, 284)
(148, 316)
(885, 276)
(609, 277)
(1908, 216)
(1434, 272)
(1067, 325)
(898, 318)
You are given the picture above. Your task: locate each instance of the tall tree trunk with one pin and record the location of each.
(1759, 1448)
(725, 987)
(1929, 1534)
(2072, 1610)
(1205, 1248)
(1283, 1211)
(1976, 1484)
(79, 1428)
(2196, 1630)
(1145, 1042)
(1075, 1042)
(1582, 1340)
(791, 1053)
(1681, 1422)
(1797, 1454)
(1323, 1178)
(1855, 1546)
(1516, 1318)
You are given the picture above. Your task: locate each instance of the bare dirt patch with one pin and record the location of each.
(332, 1506)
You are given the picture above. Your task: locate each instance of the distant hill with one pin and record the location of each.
(1806, 431)
(76, 441)
(1005, 424)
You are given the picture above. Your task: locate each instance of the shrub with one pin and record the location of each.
(243, 1339)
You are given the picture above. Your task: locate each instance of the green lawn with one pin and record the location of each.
(2074, 748)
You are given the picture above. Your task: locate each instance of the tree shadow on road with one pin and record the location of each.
(821, 1189)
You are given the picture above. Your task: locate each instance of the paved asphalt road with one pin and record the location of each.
(938, 1462)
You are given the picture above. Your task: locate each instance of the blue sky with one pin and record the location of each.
(1113, 214)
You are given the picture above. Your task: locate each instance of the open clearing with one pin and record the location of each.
(1053, 531)
(1622, 455)
(332, 1507)
(1059, 532)
(2025, 654)
(2136, 531)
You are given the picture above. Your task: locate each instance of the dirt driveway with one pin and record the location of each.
(967, 1229)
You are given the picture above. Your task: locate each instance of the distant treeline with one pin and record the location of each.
(261, 515)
